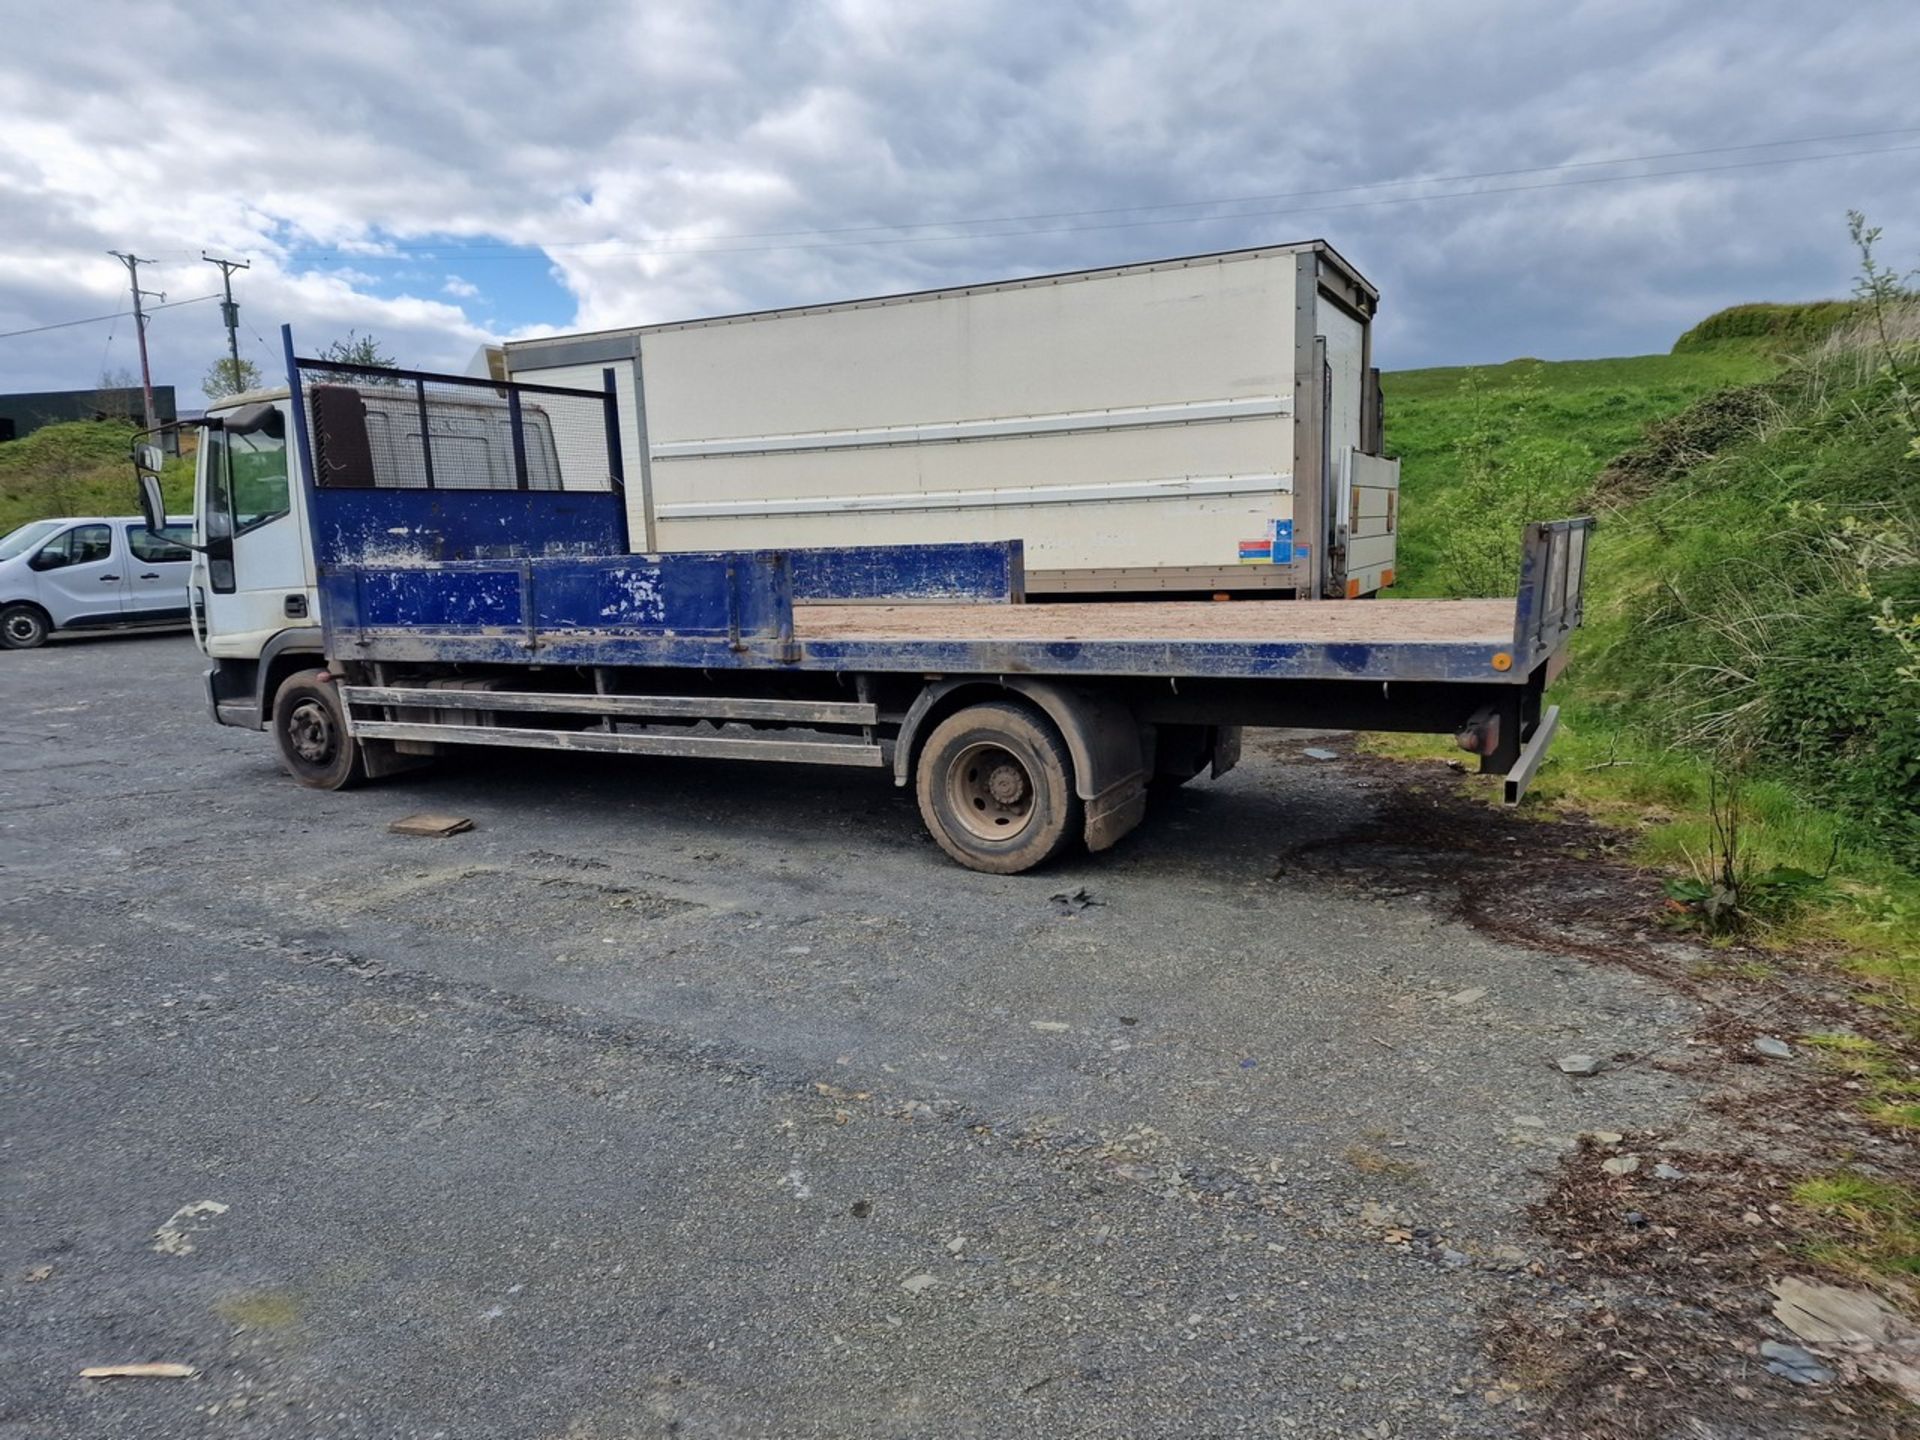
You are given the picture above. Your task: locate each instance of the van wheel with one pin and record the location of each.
(310, 731)
(22, 627)
(995, 785)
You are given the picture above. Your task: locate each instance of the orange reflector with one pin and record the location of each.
(1502, 660)
(1386, 578)
(1222, 595)
(1353, 589)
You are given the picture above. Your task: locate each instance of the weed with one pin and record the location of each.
(1868, 1226)
(1369, 1161)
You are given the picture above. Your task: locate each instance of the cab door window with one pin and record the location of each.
(247, 486)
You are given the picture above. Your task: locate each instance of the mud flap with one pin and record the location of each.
(1103, 738)
(1109, 768)
(1226, 749)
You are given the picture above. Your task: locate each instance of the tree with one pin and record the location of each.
(116, 395)
(358, 349)
(226, 376)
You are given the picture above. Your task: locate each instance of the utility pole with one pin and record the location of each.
(229, 312)
(133, 264)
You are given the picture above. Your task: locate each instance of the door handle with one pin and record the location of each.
(150, 575)
(105, 578)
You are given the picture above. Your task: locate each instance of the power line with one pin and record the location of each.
(101, 319)
(1354, 189)
(518, 252)
(1172, 220)
(1249, 214)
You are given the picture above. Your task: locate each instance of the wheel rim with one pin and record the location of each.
(310, 732)
(22, 629)
(991, 791)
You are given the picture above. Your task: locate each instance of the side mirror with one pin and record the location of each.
(148, 459)
(153, 505)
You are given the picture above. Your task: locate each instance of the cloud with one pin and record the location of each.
(598, 166)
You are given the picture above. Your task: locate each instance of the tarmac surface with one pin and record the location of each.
(686, 1098)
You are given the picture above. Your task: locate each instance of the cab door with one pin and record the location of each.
(82, 576)
(254, 578)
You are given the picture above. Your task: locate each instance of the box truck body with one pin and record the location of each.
(1199, 425)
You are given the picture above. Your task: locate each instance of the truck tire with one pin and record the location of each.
(310, 731)
(22, 627)
(995, 785)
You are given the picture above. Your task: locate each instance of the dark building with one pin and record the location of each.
(24, 413)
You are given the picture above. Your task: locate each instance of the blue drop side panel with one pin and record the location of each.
(698, 602)
(988, 572)
(367, 527)
(694, 594)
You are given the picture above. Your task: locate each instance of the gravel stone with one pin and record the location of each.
(1790, 1362)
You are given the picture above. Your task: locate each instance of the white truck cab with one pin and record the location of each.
(251, 588)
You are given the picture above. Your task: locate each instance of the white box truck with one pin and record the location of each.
(1205, 425)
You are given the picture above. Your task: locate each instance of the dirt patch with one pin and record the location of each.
(1563, 885)
(519, 901)
(1661, 1306)
(1656, 1302)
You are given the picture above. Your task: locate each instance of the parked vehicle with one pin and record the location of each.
(1206, 425)
(91, 572)
(368, 617)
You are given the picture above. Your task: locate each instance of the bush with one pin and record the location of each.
(1783, 328)
(1764, 591)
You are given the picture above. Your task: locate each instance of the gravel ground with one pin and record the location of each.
(685, 1098)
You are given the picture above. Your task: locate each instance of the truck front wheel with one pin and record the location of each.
(310, 731)
(995, 785)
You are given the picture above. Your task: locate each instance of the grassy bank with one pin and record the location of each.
(81, 467)
(1485, 450)
(1752, 597)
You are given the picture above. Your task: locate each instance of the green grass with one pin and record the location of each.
(1760, 520)
(1780, 328)
(81, 467)
(1872, 1226)
(1579, 416)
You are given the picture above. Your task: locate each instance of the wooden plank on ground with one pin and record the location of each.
(431, 825)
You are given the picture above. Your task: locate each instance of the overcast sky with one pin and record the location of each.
(438, 174)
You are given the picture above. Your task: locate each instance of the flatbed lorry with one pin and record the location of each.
(388, 563)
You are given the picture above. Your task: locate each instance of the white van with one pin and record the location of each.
(91, 572)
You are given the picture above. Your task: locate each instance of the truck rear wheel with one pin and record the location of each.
(995, 785)
(310, 731)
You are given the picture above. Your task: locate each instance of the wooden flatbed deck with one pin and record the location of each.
(1257, 622)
